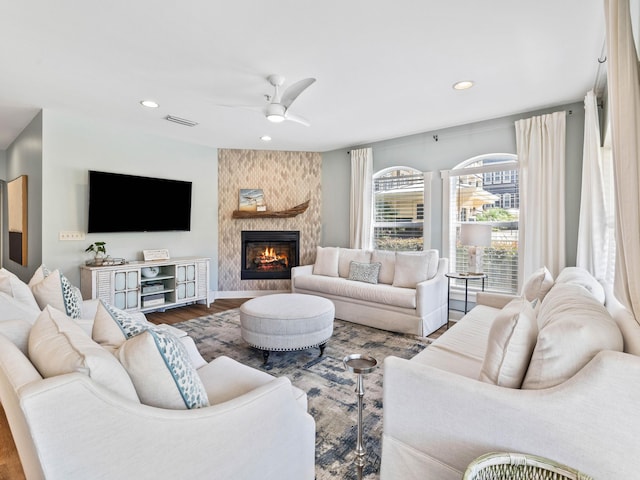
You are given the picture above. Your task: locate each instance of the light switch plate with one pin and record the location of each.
(71, 235)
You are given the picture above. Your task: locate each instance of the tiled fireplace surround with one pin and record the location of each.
(287, 179)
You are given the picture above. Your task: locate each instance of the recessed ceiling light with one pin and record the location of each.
(463, 85)
(149, 104)
(265, 138)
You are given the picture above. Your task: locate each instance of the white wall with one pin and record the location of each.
(73, 145)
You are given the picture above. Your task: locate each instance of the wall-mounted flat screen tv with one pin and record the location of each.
(129, 203)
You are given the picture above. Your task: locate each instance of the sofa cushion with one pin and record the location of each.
(387, 261)
(580, 276)
(225, 379)
(462, 349)
(17, 330)
(348, 255)
(573, 328)
(342, 287)
(326, 261)
(414, 267)
(538, 285)
(57, 346)
(161, 371)
(16, 288)
(364, 272)
(56, 290)
(11, 309)
(112, 326)
(510, 343)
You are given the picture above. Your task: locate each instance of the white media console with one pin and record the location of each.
(148, 285)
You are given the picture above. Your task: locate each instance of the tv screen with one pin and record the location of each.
(129, 203)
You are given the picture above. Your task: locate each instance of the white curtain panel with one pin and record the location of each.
(361, 198)
(540, 143)
(596, 233)
(624, 113)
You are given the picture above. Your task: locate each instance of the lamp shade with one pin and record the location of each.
(476, 234)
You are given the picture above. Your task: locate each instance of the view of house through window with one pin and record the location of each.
(485, 189)
(398, 209)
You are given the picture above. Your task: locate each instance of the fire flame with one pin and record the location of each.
(270, 254)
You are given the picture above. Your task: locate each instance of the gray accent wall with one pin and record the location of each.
(443, 150)
(24, 157)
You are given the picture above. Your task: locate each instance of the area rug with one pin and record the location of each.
(330, 388)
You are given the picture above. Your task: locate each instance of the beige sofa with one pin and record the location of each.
(563, 386)
(402, 292)
(76, 412)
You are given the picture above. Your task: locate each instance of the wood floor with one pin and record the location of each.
(10, 467)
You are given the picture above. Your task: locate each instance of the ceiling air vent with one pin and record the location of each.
(181, 121)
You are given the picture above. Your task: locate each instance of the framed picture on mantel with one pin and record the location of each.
(251, 199)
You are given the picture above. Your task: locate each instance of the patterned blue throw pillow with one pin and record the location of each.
(53, 288)
(112, 326)
(161, 371)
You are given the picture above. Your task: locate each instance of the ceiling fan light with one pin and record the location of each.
(275, 118)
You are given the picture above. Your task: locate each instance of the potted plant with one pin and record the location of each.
(100, 252)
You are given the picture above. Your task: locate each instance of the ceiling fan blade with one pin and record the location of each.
(297, 119)
(291, 93)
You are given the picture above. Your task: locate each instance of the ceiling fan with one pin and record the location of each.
(279, 103)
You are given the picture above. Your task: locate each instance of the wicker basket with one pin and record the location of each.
(517, 466)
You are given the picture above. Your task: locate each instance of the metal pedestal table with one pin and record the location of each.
(360, 365)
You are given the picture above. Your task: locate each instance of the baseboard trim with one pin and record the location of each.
(245, 293)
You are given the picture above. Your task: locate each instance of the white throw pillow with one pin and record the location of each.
(326, 261)
(40, 274)
(538, 285)
(58, 345)
(16, 288)
(580, 276)
(348, 255)
(511, 341)
(364, 272)
(56, 290)
(162, 372)
(414, 267)
(387, 261)
(112, 326)
(574, 327)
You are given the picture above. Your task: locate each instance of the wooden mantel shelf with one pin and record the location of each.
(292, 212)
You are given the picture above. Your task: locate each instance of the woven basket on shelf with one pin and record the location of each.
(517, 466)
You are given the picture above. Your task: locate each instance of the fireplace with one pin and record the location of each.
(269, 254)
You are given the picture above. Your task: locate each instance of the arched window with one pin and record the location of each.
(468, 197)
(400, 211)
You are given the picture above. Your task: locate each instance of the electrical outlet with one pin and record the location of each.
(71, 235)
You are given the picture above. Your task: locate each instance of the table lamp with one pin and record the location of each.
(475, 236)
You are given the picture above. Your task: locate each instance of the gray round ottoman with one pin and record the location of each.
(286, 321)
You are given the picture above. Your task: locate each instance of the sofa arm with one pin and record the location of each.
(298, 271)
(495, 300)
(433, 292)
(436, 423)
(261, 434)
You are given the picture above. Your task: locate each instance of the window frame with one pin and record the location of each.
(426, 202)
(509, 162)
